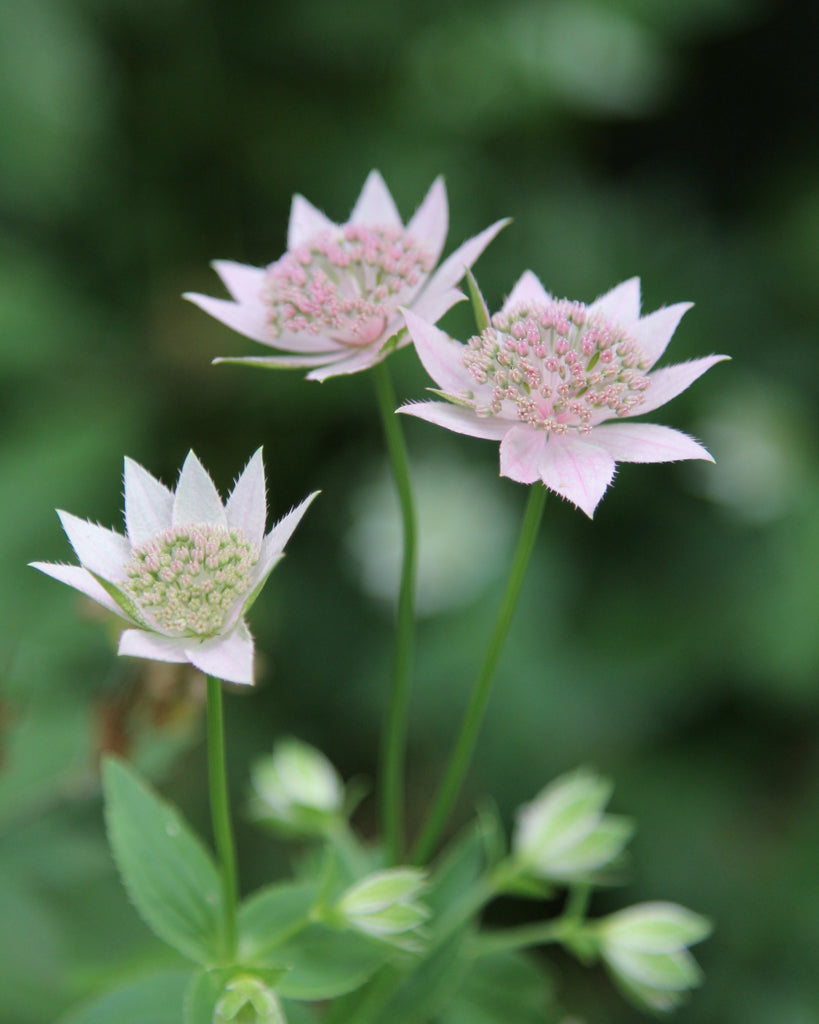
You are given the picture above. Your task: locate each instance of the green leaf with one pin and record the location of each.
(154, 1000)
(498, 989)
(455, 875)
(323, 963)
(168, 874)
(429, 985)
(271, 916)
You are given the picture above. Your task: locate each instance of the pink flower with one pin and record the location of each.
(187, 569)
(546, 375)
(333, 299)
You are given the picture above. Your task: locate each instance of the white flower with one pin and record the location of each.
(333, 298)
(187, 569)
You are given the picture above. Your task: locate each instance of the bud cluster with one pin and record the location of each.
(558, 364)
(188, 578)
(346, 284)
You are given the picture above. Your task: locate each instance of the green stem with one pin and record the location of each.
(220, 815)
(395, 728)
(465, 745)
(510, 939)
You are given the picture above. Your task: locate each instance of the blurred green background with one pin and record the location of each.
(672, 643)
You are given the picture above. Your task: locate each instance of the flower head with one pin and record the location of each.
(333, 299)
(645, 949)
(544, 378)
(187, 569)
(563, 834)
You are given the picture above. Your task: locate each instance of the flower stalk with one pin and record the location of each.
(462, 754)
(395, 729)
(220, 815)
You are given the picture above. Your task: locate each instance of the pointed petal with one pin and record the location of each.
(577, 470)
(621, 304)
(527, 291)
(375, 206)
(647, 442)
(80, 579)
(148, 504)
(520, 453)
(442, 356)
(246, 507)
(225, 657)
(459, 419)
(196, 499)
(284, 362)
(247, 318)
(452, 269)
(671, 381)
(430, 222)
(654, 331)
(242, 281)
(305, 222)
(138, 644)
(102, 551)
(431, 305)
(274, 543)
(360, 360)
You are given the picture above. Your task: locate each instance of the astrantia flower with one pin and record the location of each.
(188, 568)
(546, 375)
(333, 299)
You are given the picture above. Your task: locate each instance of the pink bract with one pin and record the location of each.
(546, 378)
(333, 299)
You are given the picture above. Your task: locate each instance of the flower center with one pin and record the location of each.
(346, 284)
(188, 578)
(559, 365)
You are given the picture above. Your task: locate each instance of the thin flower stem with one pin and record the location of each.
(459, 761)
(220, 815)
(510, 939)
(395, 727)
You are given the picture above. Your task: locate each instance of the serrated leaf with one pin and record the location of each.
(168, 874)
(154, 1000)
(269, 917)
(498, 989)
(323, 963)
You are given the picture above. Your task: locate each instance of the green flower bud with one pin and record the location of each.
(645, 949)
(297, 789)
(247, 1000)
(563, 834)
(384, 905)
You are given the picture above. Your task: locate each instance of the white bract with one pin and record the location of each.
(297, 788)
(333, 298)
(546, 378)
(563, 834)
(187, 569)
(645, 947)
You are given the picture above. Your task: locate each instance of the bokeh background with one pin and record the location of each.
(672, 643)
